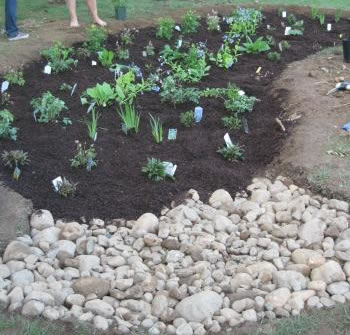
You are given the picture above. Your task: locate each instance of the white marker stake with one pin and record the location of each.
(284, 14)
(56, 183)
(329, 27)
(47, 69)
(4, 86)
(287, 31)
(228, 140)
(73, 89)
(93, 63)
(268, 26)
(177, 28)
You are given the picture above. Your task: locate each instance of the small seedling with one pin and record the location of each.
(165, 28)
(106, 57)
(274, 56)
(322, 18)
(233, 152)
(6, 129)
(127, 36)
(96, 38)
(213, 21)
(5, 99)
(67, 121)
(157, 129)
(59, 57)
(92, 124)
(84, 157)
(190, 22)
(15, 159)
(67, 188)
(149, 50)
(232, 122)
(283, 45)
(15, 77)
(187, 119)
(66, 87)
(338, 15)
(154, 169)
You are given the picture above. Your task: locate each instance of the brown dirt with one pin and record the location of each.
(319, 126)
(117, 188)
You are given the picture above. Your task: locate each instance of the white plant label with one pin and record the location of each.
(198, 114)
(170, 168)
(4, 86)
(179, 44)
(287, 31)
(228, 141)
(257, 71)
(93, 63)
(47, 69)
(144, 53)
(177, 28)
(73, 89)
(56, 183)
(92, 105)
(284, 14)
(329, 27)
(268, 26)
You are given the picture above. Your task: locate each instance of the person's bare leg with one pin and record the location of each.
(93, 12)
(72, 9)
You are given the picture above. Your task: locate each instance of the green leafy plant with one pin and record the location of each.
(338, 15)
(165, 28)
(15, 159)
(6, 129)
(270, 39)
(149, 50)
(67, 188)
(259, 45)
(66, 87)
(213, 21)
(241, 104)
(292, 19)
(233, 152)
(157, 129)
(274, 56)
(321, 18)
(15, 77)
(85, 157)
(232, 122)
(83, 52)
(92, 124)
(122, 52)
(187, 119)
(101, 94)
(47, 107)
(59, 57)
(283, 45)
(244, 22)
(297, 28)
(127, 36)
(176, 94)
(154, 169)
(67, 121)
(226, 56)
(96, 38)
(130, 118)
(190, 22)
(5, 99)
(106, 57)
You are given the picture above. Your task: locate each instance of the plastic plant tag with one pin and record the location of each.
(95, 137)
(155, 88)
(284, 14)
(73, 89)
(245, 125)
(56, 183)
(258, 70)
(92, 105)
(4, 86)
(228, 140)
(124, 129)
(144, 53)
(93, 63)
(179, 44)
(170, 168)
(47, 69)
(177, 28)
(16, 173)
(287, 31)
(346, 127)
(329, 27)
(89, 164)
(172, 133)
(268, 26)
(198, 114)
(280, 46)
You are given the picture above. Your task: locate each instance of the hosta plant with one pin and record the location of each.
(106, 57)
(15, 77)
(85, 157)
(59, 57)
(233, 152)
(154, 169)
(102, 94)
(6, 128)
(250, 47)
(15, 159)
(47, 108)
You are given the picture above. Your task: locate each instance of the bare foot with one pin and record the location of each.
(74, 24)
(100, 22)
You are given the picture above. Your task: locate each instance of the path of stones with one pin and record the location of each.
(196, 269)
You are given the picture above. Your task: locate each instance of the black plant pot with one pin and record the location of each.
(120, 13)
(346, 50)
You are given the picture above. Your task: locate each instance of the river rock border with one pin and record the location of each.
(195, 269)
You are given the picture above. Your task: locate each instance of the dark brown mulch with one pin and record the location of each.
(117, 188)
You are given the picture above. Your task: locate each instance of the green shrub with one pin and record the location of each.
(187, 119)
(47, 107)
(250, 47)
(165, 28)
(67, 188)
(84, 157)
(59, 57)
(96, 38)
(15, 77)
(15, 159)
(190, 22)
(6, 129)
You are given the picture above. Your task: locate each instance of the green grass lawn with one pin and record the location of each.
(41, 10)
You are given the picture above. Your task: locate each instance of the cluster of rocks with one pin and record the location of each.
(198, 268)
